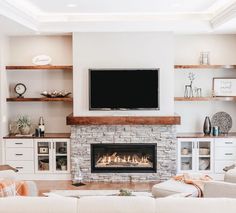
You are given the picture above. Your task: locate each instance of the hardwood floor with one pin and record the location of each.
(47, 186)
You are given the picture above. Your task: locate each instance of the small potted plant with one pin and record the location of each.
(24, 125)
(62, 163)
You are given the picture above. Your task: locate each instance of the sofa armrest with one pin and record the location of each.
(219, 189)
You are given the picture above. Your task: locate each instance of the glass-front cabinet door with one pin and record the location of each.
(186, 155)
(61, 149)
(204, 155)
(43, 156)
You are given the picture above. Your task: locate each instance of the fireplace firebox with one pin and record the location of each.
(123, 158)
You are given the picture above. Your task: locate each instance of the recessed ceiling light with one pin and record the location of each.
(71, 5)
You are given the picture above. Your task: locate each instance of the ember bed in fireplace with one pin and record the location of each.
(123, 158)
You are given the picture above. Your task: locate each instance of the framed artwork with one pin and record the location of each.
(224, 87)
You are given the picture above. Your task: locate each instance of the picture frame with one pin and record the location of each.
(224, 87)
(43, 150)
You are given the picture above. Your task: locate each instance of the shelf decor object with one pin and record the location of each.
(20, 89)
(42, 60)
(207, 126)
(224, 86)
(223, 120)
(55, 94)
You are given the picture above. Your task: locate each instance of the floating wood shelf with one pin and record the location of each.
(47, 135)
(206, 99)
(39, 99)
(205, 66)
(123, 120)
(46, 67)
(201, 135)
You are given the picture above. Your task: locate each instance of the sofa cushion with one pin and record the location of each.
(195, 205)
(116, 204)
(171, 187)
(38, 205)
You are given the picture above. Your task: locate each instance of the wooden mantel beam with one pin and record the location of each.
(123, 120)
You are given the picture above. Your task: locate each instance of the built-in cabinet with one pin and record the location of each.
(205, 155)
(38, 157)
(52, 156)
(195, 155)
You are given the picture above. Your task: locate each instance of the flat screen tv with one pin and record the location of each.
(123, 89)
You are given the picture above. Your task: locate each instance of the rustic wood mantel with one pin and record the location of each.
(123, 120)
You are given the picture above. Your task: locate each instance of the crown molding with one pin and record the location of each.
(224, 16)
(16, 14)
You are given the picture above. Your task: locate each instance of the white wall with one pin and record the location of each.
(123, 50)
(187, 50)
(3, 88)
(21, 50)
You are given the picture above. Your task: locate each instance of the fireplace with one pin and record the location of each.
(123, 158)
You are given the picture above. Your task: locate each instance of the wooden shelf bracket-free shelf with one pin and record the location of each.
(39, 99)
(45, 67)
(206, 99)
(204, 66)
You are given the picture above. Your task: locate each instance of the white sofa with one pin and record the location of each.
(112, 204)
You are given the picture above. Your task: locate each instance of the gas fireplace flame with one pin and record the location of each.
(123, 160)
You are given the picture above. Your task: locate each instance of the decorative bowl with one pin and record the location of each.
(184, 151)
(55, 94)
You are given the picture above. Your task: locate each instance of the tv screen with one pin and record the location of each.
(123, 89)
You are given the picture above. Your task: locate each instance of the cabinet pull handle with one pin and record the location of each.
(49, 145)
(19, 154)
(228, 142)
(19, 167)
(228, 153)
(18, 143)
(53, 145)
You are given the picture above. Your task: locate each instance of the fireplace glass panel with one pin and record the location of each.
(123, 157)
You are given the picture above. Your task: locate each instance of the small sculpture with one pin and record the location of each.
(188, 92)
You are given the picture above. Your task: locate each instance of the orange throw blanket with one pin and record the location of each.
(198, 183)
(13, 188)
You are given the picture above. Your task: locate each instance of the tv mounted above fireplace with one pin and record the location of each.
(124, 89)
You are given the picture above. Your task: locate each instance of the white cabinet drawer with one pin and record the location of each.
(220, 165)
(228, 153)
(15, 154)
(226, 142)
(16, 143)
(22, 166)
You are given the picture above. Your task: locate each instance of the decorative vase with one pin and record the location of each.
(25, 130)
(207, 126)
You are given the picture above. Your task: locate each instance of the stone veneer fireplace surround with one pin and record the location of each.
(164, 136)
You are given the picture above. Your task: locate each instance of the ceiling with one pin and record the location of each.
(65, 16)
(122, 6)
